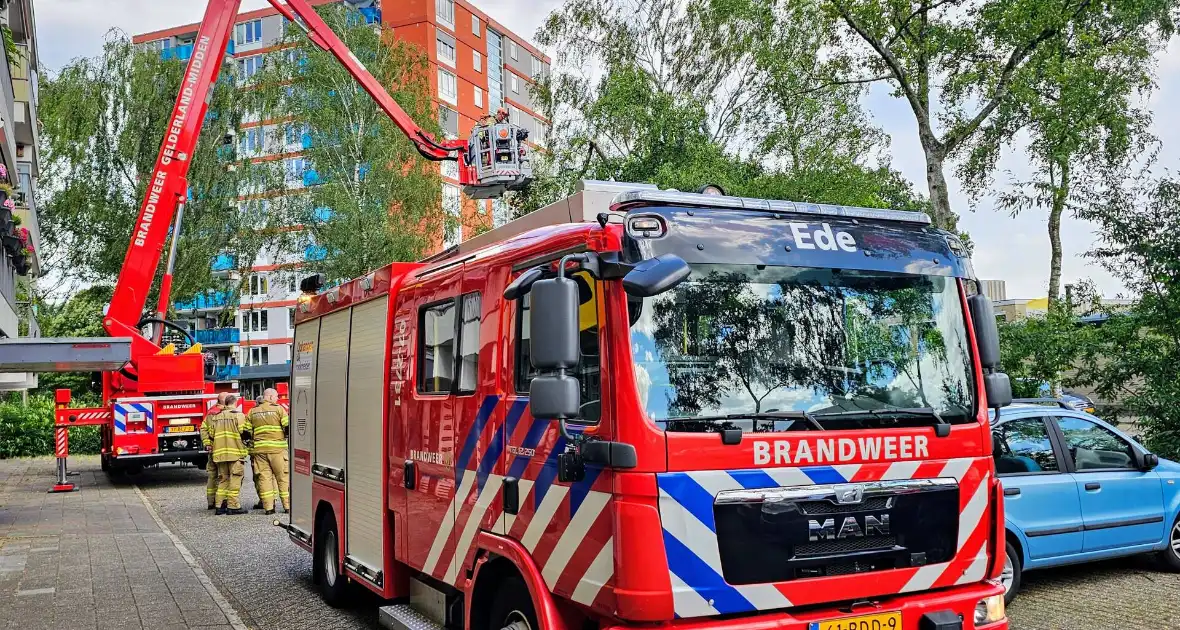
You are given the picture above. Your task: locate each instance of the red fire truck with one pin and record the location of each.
(648, 408)
(153, 406)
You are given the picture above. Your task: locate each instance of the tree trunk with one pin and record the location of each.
(940, 202)
(1060, 195)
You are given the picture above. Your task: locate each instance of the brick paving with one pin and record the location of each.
(94, 559)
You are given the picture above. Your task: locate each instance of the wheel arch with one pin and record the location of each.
(499, 554)
(1014, 536)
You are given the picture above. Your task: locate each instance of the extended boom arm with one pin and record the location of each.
(497, 163)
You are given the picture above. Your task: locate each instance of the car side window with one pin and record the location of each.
(1024, 447)
(1094, 447)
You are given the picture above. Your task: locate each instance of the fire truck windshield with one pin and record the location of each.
(738, 343)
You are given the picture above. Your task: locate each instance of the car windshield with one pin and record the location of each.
(743, 344)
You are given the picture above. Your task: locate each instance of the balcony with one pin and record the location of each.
(210, 301)
(274, 370)
(180, 52)
(315, 252)
(224, 266)
(227, 373)
(217, 336)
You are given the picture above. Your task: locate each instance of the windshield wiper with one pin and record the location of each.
(764, 415)
(942, 426)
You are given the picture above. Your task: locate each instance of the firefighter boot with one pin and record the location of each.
(221, 509)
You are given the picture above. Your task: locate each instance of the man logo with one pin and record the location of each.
(850, 494)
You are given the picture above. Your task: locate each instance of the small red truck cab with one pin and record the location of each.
(647, 408)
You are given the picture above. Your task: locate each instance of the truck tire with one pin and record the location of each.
(334, 586)
(513, 607)
(201, 462)
(1170, 556)
(1011, 575)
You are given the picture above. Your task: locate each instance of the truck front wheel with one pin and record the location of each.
(513, 607)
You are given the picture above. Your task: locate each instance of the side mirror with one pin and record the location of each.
(553, 325)
(655, 275)
(987, 334)
(555, 397)
(1148, 461)
(998, 389)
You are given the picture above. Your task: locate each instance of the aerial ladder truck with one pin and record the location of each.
(153, 405)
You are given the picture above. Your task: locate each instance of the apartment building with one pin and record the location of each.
(476, 66)
(20, 256)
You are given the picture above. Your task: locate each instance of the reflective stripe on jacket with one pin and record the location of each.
(266, 423)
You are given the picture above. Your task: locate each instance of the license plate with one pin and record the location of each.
(188, 428)
(881, 621)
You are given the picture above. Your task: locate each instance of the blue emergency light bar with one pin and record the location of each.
(644, 196)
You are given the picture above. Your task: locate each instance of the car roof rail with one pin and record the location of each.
(1055, 401)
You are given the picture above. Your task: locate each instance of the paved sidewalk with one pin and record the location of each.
(94, 559)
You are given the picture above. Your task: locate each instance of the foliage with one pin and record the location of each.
(103, 121)
(27, 430)
(360, 164)
(80, 316)
(955, 62)
(1081, 109)
(683, 94)
(1042, 349)
(1135, 357)
(10, 49)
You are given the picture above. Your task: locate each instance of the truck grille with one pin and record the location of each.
(782, 534)
(832, 547)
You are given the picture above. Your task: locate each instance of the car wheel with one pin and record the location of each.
(334, 586)
(1010, 576)
(1171, 555)
(513, 607)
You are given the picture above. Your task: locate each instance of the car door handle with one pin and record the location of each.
(1011, 492)
(1093, 485)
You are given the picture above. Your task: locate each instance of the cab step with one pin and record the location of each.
(404, 617)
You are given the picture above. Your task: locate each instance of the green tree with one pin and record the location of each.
(1135, 356)
(1080, 110)
(1042, 349)
(955, 63)
(372, 198)
(103, 120)
(697, 92)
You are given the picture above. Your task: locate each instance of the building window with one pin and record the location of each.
(514, 82)
(159, 45)
(537, 67)
(291, 318)
(453, 207)
(446, 50)
(469, 343)
(292, 284)
(254, 321)
(436, 347)
(248, 32)
(513, 115)
(252, 141)
(478, 97)
(448, 120)
(447, 90)
(475, 25)
(449, 169)
(512, 52)
(501, 212)
(476, 61)
(446, 12)
(249, 66)
(258, 356)
(495, 71)
(295, 168)
(259, 284)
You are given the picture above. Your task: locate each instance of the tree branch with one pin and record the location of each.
(890, 60)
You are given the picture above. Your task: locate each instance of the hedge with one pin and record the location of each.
(27, 430)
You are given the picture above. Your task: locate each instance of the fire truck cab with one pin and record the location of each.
(647, 408)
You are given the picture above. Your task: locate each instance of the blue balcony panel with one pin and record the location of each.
(315, 252)
(214, 336)
(310, 177)
(206, 301)
(223, 262)
(322, 215)
(227, 373)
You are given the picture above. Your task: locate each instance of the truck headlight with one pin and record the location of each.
(989, 610)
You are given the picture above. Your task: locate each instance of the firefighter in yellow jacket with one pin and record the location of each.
(229, 451)
(268, 425)
(207, 444)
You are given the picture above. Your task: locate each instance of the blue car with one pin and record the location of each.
(1077, 489)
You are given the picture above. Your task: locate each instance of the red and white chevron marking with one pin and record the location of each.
(93, 415)
(62, 439)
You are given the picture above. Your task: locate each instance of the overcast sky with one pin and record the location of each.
(1015, 250)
